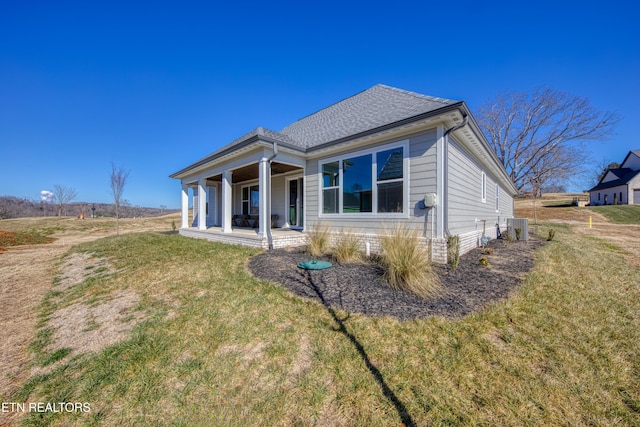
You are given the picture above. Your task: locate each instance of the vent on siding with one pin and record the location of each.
(522, 224)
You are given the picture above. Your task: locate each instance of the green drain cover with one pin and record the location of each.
(314, 265)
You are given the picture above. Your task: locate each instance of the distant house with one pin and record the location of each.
(619, 186)
(382, 157)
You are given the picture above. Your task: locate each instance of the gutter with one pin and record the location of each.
(445, 195)
(268, 191)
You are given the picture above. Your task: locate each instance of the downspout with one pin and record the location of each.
(445, 195)
(269, 160)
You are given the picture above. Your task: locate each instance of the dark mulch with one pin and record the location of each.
(360, 287)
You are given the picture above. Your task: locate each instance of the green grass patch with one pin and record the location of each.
(219, 347)
(620, 214)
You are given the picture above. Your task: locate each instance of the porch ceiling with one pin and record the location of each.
(250, 172)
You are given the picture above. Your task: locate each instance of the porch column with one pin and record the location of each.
(226, 202)
(202, 204)
(185, 206)
(264, 176)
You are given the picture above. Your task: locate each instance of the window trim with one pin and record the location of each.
(483, 188)
(248, 201)
(404, 144)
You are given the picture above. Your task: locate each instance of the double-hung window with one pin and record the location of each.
(250, 200)
(370, 183)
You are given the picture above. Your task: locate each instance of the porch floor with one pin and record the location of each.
(248, 236)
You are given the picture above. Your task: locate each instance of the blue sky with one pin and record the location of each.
(154, 86)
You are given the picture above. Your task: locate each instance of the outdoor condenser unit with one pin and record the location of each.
(522, 224)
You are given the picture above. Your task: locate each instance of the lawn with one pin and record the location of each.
(208, 344)
(620, 214)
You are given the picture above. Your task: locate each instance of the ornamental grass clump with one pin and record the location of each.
(318, 240)
(347, 248)
(407, 264)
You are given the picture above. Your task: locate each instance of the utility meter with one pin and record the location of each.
(430, 200)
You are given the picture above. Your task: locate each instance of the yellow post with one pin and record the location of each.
(590, 222)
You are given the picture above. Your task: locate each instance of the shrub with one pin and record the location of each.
(318, 240)
(173, 225)
(453, 251)
(552, 234)
(346, 248)
(484, 261)
(518, 233)
(406, 263)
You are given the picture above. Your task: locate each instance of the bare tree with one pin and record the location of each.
(542, 133)
(63, 195)
(119, 176)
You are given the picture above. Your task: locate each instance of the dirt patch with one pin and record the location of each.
(78, 267)
(360, 288)
(84, 328)
(26, 274)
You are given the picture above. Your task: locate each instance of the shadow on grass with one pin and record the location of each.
(375, 372)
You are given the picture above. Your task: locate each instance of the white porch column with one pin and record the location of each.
(202, 204)
(264, 176)
(185, 206)
(226, 201)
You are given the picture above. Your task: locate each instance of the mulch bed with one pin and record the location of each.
(360, 287)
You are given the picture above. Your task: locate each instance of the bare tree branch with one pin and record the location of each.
(119, 176)
(541, 136)
(63, 195)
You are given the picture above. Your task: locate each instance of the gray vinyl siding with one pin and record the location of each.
(278, 198)
(421, 179)
(465, 195)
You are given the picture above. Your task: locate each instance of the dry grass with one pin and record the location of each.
(347, 248)
(221, 348)
(407, 263)
(318, 240)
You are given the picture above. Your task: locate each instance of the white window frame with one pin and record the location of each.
(404, 144)
(242, 200)
(484, 187)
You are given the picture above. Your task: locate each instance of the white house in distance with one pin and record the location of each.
(382, 157)
(619, 186)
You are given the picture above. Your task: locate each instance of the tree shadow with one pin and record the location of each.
(375, 372)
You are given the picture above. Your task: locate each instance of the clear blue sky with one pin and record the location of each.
(154, 86)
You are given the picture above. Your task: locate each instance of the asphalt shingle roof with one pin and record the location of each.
(624, 176)
(377, 106)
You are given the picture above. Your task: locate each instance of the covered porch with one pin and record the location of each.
(241, 201)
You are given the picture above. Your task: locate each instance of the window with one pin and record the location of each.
(497, 198)
(330, 187)
(389, 178)
(620, 198)
(367, 182)
(484, 187)
(598, 196)
(250, 200)
(356, 188)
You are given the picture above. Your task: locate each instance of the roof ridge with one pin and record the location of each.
(445, 101)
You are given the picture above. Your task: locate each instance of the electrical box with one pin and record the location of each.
(430, 200)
